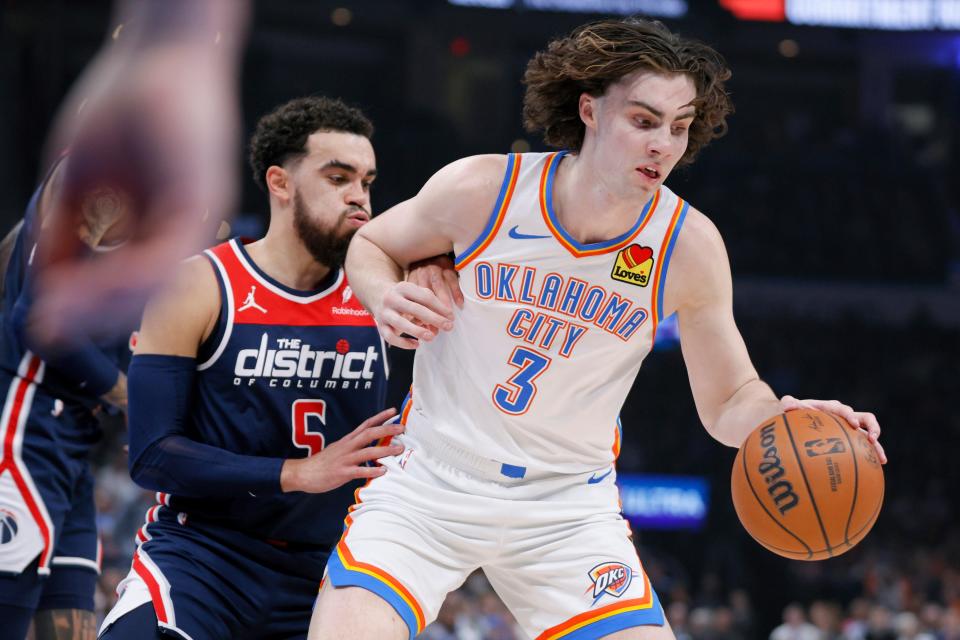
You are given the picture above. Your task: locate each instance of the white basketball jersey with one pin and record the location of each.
(552, 332)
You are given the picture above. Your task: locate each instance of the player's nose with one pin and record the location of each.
(658, 145)
(357, 196)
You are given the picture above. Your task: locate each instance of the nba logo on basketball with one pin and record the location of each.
(612, 578)
(633, 265)
(8, 526)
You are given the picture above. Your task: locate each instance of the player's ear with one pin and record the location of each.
(279, 184)
(588, 107)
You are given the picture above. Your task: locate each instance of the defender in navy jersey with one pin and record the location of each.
(250, 377)
(49, 549)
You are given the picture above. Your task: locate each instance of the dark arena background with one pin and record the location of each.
(837, 191)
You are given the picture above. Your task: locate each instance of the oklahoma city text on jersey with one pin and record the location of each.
(572, 297)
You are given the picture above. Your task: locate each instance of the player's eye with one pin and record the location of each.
(337, 179)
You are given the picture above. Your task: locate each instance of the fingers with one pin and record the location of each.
(421, 306)
(869, 423)
(411, 312)
(880, 452)
(440, 276)
(375, 421)
(369, 454)
(440, 287)
(789, 403)
(863, 420)
(395, 339)
(837, 408)
(419, 276)
(403, 328)
(453, 284)
(369, 472)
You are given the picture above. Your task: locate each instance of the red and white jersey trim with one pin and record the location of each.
(18, 492)
(235, 245)
(230, 307)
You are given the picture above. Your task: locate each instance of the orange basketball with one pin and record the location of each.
(806, 486)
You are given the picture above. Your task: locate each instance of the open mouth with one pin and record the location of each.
(650, 171)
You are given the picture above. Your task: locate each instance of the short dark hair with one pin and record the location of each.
(599, 54)
(282, 134)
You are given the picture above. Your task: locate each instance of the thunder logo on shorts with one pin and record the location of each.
(609, 578)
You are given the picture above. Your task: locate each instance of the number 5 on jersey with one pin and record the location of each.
(305, 413)
(515, 396)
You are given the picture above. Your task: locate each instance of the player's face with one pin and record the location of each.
(642, 125)
(331, 197)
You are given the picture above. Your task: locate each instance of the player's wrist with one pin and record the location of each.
(381, 297)
(290, 476)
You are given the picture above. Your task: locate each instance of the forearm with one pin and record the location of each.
(164, 458)
(371, 272)
(184, 467)
(750, 405)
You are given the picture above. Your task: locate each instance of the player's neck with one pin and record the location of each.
(590, 207)
(282, 255)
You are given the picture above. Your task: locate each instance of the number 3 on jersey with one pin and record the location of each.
(303, 436)
(515, 396)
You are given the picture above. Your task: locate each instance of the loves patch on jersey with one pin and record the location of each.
(633, 265)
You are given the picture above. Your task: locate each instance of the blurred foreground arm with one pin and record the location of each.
(155, 118)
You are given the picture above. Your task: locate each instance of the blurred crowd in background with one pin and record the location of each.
(841, 168)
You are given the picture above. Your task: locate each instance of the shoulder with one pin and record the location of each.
(699, 239)
(473, 177)
(700, 269)
(473, 183)
(195, 277)
(474, 171)
(184, 312)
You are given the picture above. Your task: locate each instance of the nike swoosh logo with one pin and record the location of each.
(594, 479)
(516, 235)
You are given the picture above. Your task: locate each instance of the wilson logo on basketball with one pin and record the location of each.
(771, 468)
(611, 578)
(633, 265)
(8, 526)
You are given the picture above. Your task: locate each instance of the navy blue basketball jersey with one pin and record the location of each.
(47, 427)
(16, 354)
(284, 373)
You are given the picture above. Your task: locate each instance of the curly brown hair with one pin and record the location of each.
(598, 54)
(282, 134)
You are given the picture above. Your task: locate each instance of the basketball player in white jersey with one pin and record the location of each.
(567, 261)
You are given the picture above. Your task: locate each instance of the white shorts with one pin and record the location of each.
(555, 549)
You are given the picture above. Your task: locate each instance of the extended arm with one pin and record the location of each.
(731, 398)
(155, 117)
